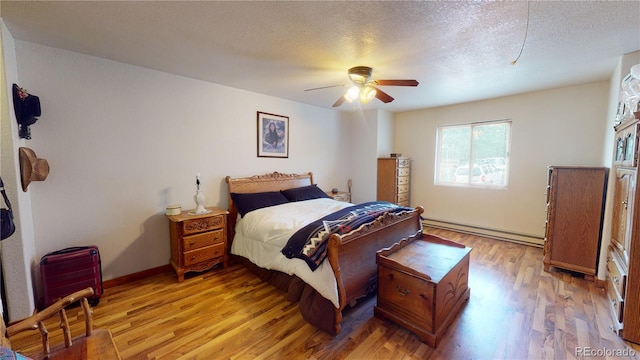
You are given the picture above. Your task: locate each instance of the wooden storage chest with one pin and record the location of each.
(422, 285)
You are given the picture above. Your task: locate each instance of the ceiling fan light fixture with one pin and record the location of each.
(363, 89)
(352, 94)
(360, 74)
(367, 94)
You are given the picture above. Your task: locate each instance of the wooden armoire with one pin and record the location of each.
(623, 256)
(575, 213)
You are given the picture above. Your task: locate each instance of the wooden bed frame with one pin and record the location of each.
(352, 257)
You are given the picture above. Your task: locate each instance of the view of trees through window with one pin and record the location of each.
(474, 154)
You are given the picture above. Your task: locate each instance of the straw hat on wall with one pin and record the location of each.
(31, 167)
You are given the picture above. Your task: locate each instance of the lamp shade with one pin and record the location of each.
(352, 94)
(367, 94)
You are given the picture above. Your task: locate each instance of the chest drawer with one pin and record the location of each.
(616, 275)
(201, 240)
(204, 224)
(403, 180)
(203, 254)
(407, 296)
(404, 171)
(403, 189)
(617, 304)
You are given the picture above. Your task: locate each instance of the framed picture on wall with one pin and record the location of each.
(273, 135)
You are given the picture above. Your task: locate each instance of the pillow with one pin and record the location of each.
(304, 193)
(254, 201)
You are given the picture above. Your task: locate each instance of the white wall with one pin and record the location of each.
(370, 136)
(386, 133)
(123, 142)
(555, 127)
(17, 250)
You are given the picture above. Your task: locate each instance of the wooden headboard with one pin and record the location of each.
(274, 181)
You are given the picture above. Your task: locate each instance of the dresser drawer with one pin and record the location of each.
(404, 197)
(203, 254)
(204, 239)
(617, 304)
(403, 171)
(616, 275)
(403, 189)
(403, 180)
(404, 163)
(204, 224)
(407, 296)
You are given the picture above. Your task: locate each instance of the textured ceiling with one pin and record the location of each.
(458, 51)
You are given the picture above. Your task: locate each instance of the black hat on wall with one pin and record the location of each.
(27, 107)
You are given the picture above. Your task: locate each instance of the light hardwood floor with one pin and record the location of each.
(516, 311)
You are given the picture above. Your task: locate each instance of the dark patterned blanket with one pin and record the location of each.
(310, 242)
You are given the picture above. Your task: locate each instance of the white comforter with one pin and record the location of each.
(262, 233)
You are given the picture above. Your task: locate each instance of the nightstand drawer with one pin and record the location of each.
(201, 240)
(203, 254)
(202, 224)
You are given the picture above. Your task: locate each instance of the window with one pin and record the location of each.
(474, 154)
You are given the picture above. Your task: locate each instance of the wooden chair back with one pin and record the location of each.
(101, 339)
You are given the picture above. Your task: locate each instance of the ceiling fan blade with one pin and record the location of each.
(396, 82)
(326, 87)
(383, 96)
(339, 101)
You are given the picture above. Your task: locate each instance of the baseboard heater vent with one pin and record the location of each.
(525, 239)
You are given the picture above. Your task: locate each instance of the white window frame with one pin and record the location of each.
(448, 179)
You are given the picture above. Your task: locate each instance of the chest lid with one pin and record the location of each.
(429, 258)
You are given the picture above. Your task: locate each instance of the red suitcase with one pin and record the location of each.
(68, 270)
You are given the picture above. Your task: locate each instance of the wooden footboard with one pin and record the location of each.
(353, 257)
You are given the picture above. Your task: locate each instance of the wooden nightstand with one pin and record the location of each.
(340, 196)
(198, 242)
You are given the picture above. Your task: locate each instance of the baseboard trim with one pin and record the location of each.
(519, 238)
(136, 276)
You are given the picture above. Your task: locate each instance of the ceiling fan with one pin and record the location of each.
(364, 89)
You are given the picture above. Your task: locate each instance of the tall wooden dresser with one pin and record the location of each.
(575, 210)
(623, 257)
(393, 180)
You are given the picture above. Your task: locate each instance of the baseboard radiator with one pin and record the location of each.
(525, 239)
